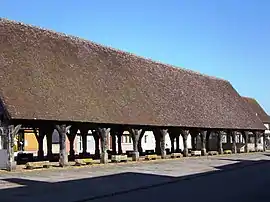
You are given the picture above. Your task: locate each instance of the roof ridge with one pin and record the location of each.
(79, 39)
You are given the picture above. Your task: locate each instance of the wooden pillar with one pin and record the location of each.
(233, 135)
(184, 134)
(193, 142)
(103, 134)
(256, 137)
(228, 138)
(177, 143)
(246, 138)
(40, 136)
(158, 140)
(172, 138)
(84, 133)
(119, 142)
(220, 147)
(203, 142)
(49, 143)
(208, 140)
(63, 157)
(96, 138)
(162, 133)
(71, 138)
(140, 142)
(10, 131)
(264, 142)
(135, 134)
(114, 144)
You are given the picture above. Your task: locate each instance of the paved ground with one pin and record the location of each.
(244, 177)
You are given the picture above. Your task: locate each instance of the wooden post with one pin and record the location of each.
(96, 138)
(203, 142)
(113, 143)
(84, 142)
(228, 138)
(103, 133)
(63, 157)
(135, 134)
(193, 142)
(140, 142)
(172, 138)
(71, 138)
(194, 139)
(245, 135)
(49, 144)
(207, 140)
(256, 137)
(40, 136)
(177, 137)
(158, 140)
(184, 134)
(10, 133)
(113, 134)
(220, 147)
(162, 134)
(264, 142)
(233, 135)
(119, 143)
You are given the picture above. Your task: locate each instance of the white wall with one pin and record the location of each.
(91, 147)
(3, 158)
(149, 142)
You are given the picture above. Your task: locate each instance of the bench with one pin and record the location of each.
(151, 157)
(38, 164)
(227, 151)
(81, 162)
(129, 153)
(212, 153)
(149, 151)
(119, 158)
(196, 153)
(176, 155)
(23, 158)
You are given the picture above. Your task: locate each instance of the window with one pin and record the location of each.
(126, 139)
(123, 139)
(145, 138)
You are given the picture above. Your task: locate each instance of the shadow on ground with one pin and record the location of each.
(130, 186)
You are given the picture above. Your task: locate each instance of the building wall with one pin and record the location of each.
(31, 144)
(30, 141)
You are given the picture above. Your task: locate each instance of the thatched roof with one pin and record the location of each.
(51, 76)
(257, 109)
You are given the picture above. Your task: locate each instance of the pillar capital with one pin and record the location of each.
(135, 135)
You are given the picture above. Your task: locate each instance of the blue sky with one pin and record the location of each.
(224, 38)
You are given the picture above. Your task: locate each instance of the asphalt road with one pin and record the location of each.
(239, 178)
(248, 184)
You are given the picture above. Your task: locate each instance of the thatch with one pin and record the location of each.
(51, 76)
(257, 109)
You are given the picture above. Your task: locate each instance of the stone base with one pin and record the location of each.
(135, 156)
(220, 151)
(63, 160)
(185, 153)
(203, 152)
(163, 154)
(11, 166)
(104, 158)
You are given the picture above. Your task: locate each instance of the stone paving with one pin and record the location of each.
(97, 180)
